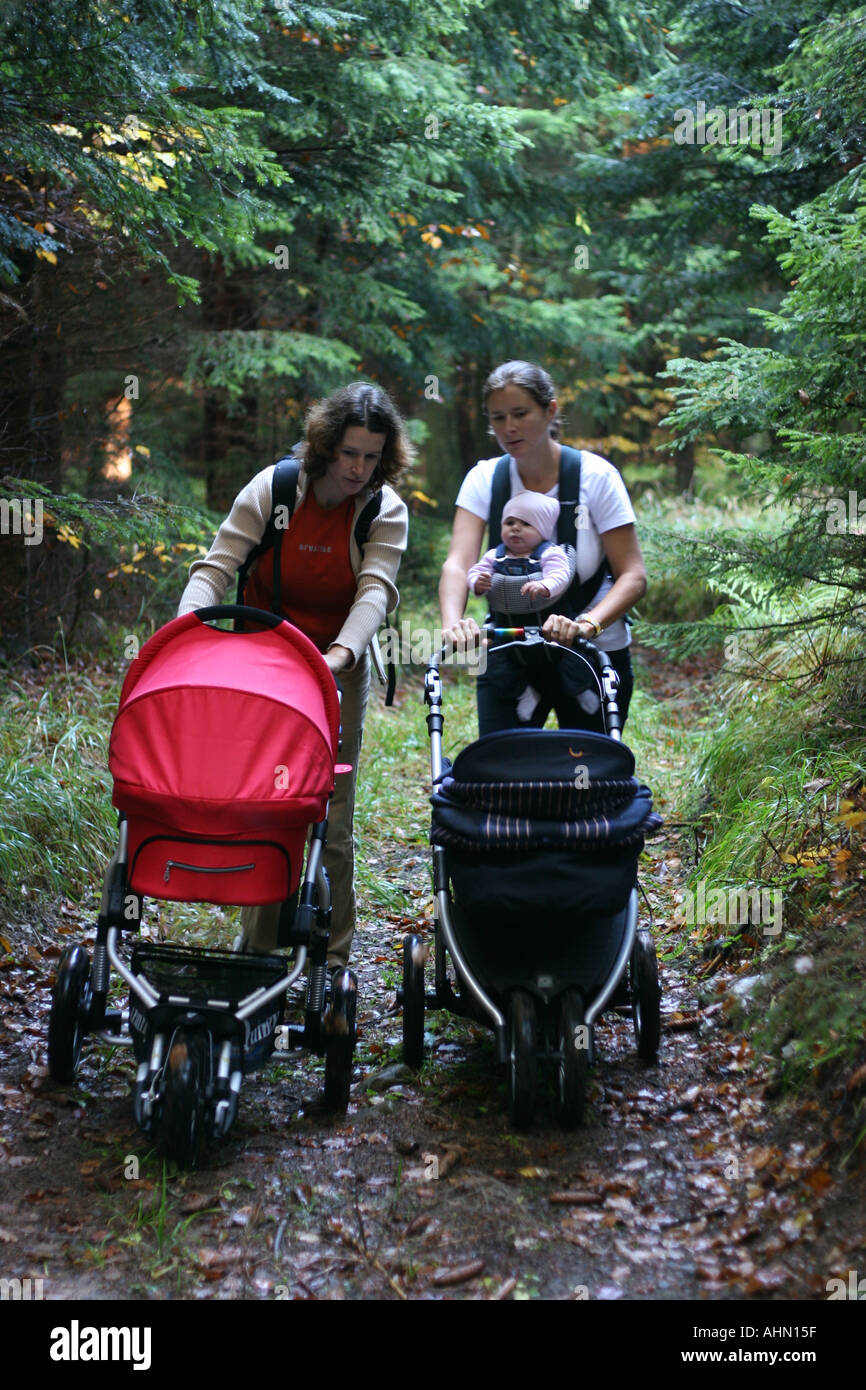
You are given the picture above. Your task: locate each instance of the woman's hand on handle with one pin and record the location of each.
(558, 628)
(464, 635)
(466, 537)
(338, 658)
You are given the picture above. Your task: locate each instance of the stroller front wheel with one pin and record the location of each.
(340, 1032)
(646, 996)
(70, 1009)
(574, 1043)
(522, 1059)
(413, 1001)
(181, 1122)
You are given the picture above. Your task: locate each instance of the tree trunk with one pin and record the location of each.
(472, 439)
(32, 383)
(685, 467)
(229, 436)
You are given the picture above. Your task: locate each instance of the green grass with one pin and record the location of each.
(56, 819)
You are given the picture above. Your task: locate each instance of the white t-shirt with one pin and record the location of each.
(604, 503)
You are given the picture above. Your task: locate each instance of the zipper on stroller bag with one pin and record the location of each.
(203, 869)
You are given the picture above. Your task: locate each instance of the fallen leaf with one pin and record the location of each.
(458, 1274)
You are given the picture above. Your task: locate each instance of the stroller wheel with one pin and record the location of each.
(646, 996)
(413, 1001)
(70, 1008)
(340, 1031)
(573, 1045)
(522, 1059)
(180, 1129)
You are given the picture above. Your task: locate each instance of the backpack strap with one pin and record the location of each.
(580, 592)
(500, 491)
(284, 491)
(365, 520)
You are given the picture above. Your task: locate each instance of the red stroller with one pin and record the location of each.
(223, 756)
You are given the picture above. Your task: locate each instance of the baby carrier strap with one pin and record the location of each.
(580, 593)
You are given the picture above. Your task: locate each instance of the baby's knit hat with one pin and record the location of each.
(536, 510)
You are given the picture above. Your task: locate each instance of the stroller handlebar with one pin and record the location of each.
(517, 636)
(239, 612)
(604, 674)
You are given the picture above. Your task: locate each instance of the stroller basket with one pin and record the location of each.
(215, 977)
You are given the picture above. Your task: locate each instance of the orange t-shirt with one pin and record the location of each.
(317, 583)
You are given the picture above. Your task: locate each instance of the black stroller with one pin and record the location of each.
(536, 836)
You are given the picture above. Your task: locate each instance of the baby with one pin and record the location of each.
(528, 523)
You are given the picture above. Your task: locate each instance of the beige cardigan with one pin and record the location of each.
(376, 569)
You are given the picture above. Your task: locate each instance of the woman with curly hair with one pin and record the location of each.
(337, 593)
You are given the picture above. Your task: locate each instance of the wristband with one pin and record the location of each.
(597, 627)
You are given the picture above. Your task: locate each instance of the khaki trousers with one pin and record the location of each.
(259, 924)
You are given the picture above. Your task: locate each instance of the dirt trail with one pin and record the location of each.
(683, 1183)
(680, 1185)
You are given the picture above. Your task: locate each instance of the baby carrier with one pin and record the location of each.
(505, 593)
(520, 567)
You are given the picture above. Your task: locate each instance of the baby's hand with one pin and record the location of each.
(483, 583)
(535, 589)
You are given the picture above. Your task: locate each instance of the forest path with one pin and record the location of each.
(683, 1183)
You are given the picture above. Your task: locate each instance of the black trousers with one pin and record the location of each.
(558, 680)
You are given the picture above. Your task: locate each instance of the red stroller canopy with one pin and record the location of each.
(226, 733)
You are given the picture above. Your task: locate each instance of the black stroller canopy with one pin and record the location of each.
(542, 755)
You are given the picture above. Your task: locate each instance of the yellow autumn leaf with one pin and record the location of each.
(422, 497)
(139, 555)
(46, 255)
(142, 449)
(852, 819)
(127, 569)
